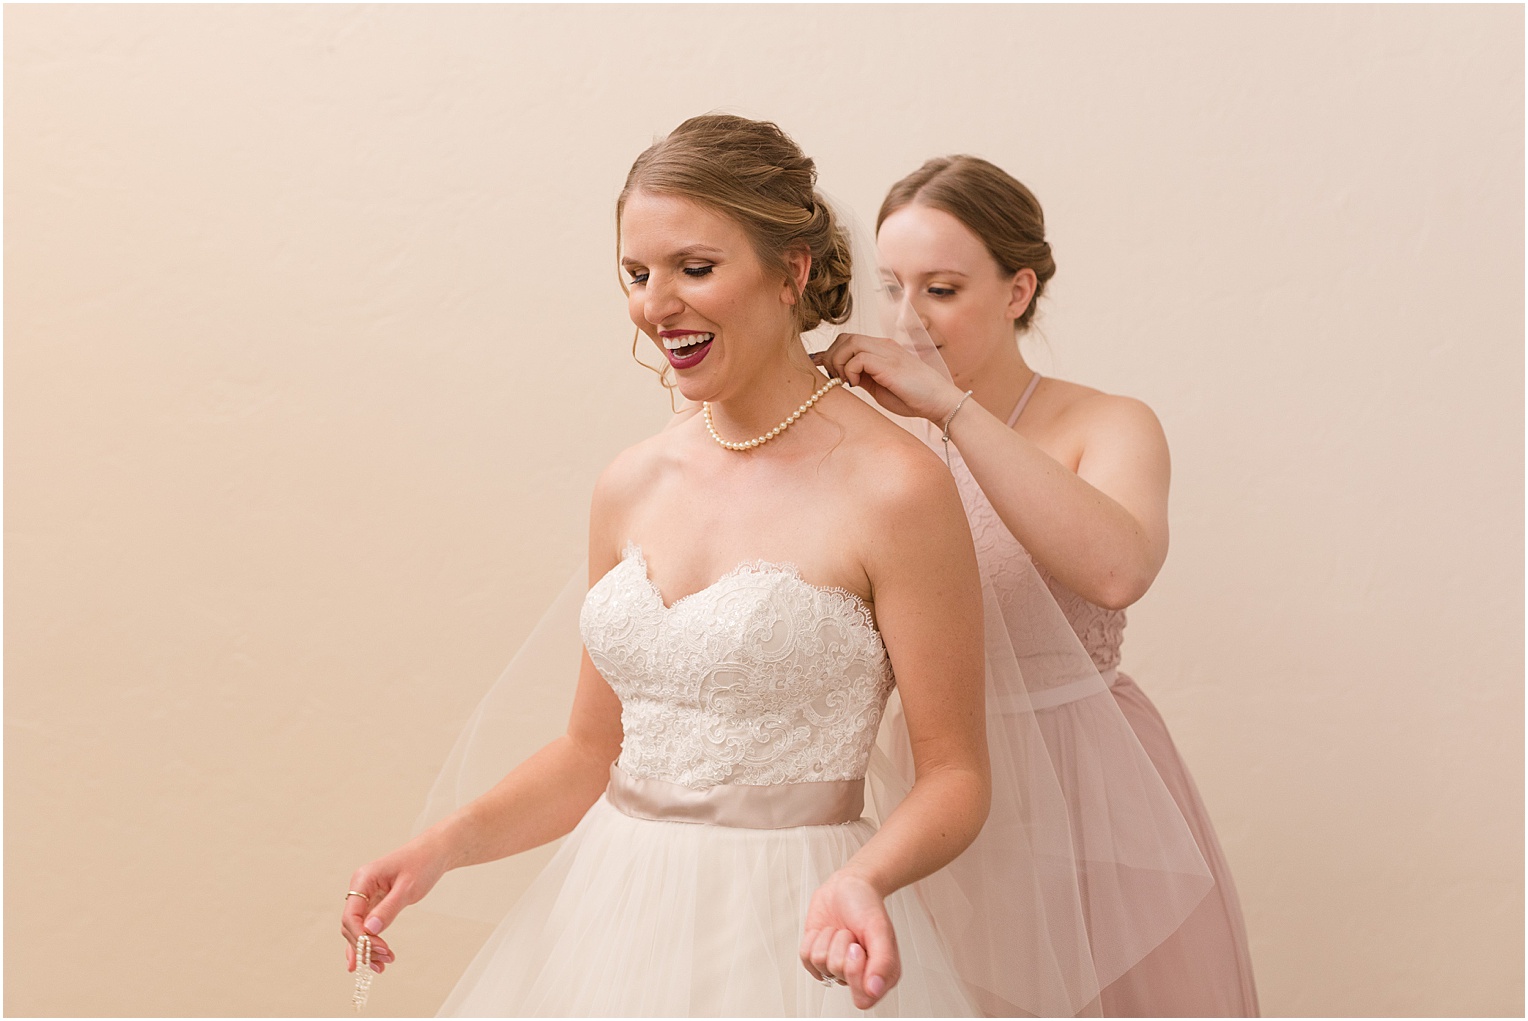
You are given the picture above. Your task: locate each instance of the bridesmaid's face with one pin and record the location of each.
(696, 288)
(960, 294)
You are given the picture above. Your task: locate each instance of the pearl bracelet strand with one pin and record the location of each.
(363, 972)
(705, 408)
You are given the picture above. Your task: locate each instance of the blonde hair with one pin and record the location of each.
(753, 173)
(993, 205)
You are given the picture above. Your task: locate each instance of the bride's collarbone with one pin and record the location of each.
(772, 485)
(807, 507)
(815, 520)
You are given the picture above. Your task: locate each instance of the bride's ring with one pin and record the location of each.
(829, 981)
(356, 893)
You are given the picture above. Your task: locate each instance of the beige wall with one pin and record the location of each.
(314, 348)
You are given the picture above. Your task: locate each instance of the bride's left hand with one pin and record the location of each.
(849, 938)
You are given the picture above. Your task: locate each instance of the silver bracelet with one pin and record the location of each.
(945, 429)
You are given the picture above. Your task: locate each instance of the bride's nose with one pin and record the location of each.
(660, 302)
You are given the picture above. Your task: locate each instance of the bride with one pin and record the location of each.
(759, 573)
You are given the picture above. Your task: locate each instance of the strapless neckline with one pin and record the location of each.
(633, 550)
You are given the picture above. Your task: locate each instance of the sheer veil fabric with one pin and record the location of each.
(1085, 864)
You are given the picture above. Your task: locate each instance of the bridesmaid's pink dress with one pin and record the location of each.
(1202, 969)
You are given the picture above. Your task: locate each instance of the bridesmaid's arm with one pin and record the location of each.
(1102, 530)
(928, 607)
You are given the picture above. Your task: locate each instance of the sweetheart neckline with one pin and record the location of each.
(790, 570)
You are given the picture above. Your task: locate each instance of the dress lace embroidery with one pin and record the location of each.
(1101, 630)
(758, 678)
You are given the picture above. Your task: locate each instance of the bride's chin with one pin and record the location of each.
(695, 392)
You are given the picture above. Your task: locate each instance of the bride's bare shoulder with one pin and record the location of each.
(633, 474)
(899, 501)
(640, 464)
(885, 464)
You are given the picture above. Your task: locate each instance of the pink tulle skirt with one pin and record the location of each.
(1203, 969)
(647, 918)
(1099, 887)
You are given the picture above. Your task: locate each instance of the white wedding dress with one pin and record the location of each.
(749, 711)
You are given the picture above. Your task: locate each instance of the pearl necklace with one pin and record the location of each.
(705, 408)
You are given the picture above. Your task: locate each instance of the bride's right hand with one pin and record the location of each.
(849, 938)
(389, 884)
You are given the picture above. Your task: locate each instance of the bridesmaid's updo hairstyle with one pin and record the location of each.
(993, 205)
(752, 172)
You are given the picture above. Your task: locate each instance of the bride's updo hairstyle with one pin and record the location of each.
(993, 205)
(753, 173)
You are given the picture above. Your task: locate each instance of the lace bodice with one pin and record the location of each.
(759, 678)
(1100, 630)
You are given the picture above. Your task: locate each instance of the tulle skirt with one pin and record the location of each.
(642, 917)
(1204, 969)
(1097, 886)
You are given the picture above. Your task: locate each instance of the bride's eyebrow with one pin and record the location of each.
(684, 253)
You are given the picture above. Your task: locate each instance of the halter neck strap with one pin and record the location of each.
(1029, 391)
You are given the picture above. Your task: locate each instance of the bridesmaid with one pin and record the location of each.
(1078, 478)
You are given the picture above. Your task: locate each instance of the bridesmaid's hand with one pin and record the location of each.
(897, 379)
(849, 938)
(389, 884)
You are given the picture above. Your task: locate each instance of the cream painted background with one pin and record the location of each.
(314, 349)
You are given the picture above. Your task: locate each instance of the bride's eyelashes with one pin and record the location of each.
(690, 271)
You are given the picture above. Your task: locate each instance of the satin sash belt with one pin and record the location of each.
(749, 806)
(1049, 698)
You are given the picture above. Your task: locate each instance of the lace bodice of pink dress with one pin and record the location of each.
(1101, 630)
